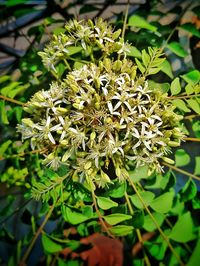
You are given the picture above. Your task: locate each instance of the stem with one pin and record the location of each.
(156, 223)
(181, 171)
(24, 153)
(67, 64)
(137, 230)
(26, 254)
(192, 139)
(125, 19)
(190, 116)
(12, 100)
(183, 96)
(100, 216)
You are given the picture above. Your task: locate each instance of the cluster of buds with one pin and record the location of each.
(101, 114)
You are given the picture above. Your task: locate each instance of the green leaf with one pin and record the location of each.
(4, 78)
(58, 31)
(6, 90)
(175, 86)
(133, 51)
(194, 259)
(116, 218)
(121, 230)
(163, 203)
(191, 28)
(149, 225)
(140, 66)
(176, 48)
(117, 190)
(147, 196)
(197, 165)
(194, 105)
(72, 216)
(181, 105)
(156, 249)
(192, 77)
(49, 245)
(189, 191)
(3, 113)
(182, 231)
(137, 21)
(106, 203)
(182, 158)
(145, 58)
(167, 69)
(139, 173)
(138, 219)
(4, 147)
(189, 88)
(74, 49)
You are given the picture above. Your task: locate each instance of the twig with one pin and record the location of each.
(137, 231)
(181, 171)
(192, 139)
(12, 100)
(156, 223)
(24, 153)
(26, 254)
(183, 96)
(125, 19)
(100, 216)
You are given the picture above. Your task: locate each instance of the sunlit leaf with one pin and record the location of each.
(121, 230)
(175, 86)
(106, 203)
(182, 231)
(179, 103)
(192, 77)
(147, 197)
(137, 21)
(163, 203)
(194, 105)
(116, 218)
(194, 259)
(49, 245)
(149, 225)
(176, 48)
(182, 158)
(167, 69)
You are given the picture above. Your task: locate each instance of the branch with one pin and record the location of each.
(181, 171)
(12, 100)
(26, 254)
(156, 223)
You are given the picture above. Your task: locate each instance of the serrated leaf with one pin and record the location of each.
(189, 191)
(149, 225)
(140, 66)
(181, 105)
(133, 51)
(167, 69)
(49, 245)
(3, 113)
(175, 86)
(163, 203)
(182, 158)
(145, 58)
(116, 218)
(121, 230)
(191, 28)
(182, 231)
(147, 197)
(137, 21)
(176, 48)
(194, 105)
(106, 203)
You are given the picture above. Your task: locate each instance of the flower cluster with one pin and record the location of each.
(98, 38)
(100, 114)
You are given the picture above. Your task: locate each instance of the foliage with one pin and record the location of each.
(104, 187)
